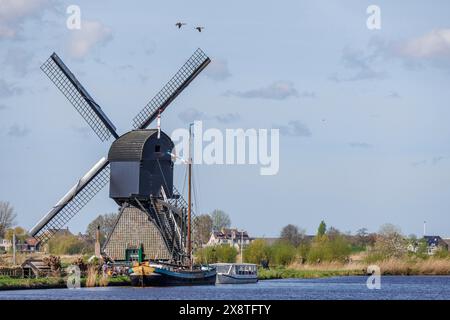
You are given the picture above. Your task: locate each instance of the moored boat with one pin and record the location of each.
(236, 273)
(151, 274)
(155, 273)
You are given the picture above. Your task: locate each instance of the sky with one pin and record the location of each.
(363, 114)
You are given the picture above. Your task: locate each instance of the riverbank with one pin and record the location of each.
(399, 267)
(8, 283)
(286, 273)
(430, 267)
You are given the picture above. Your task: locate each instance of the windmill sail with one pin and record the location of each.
(66, 82)
(69, 205)
(192, 67)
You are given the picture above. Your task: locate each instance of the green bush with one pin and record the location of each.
(325, 249)
(282, 253)
(302, 251)
(257, 251)
(68, 244)
(214, 254)
(441, 254)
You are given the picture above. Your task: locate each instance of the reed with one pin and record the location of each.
(285, 273)
(328, 266)
(91, 278)
(391, 266)
(103, 281)
(430, 266)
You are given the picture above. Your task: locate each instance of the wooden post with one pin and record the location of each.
(14, 247)
(97, 243)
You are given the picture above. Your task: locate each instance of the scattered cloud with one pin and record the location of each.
(279, 90)
(143, 77)
(83, 131)
(8, 89)
(362, 145)
(227, 117)
(433, 161)
(393, 95)
(431, 48)
(308, 94)
(419, 163)
(361, 65)
(218, 70)
(17, 131)
(13, 13)
(191, 114)
(19, 60)
(125, 67)
(295, 128)
(91, 34)
(437, 159)
(149, 47)
(99, 61)
(433, 44)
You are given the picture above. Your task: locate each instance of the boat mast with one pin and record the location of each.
(242, 238)
(189, 199)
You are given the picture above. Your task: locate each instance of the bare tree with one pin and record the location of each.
(220, 220)
(106, 223)
(292, 234)
(390, 241)
(7, 217)
(203, 225)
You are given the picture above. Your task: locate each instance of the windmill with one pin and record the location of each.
(139, 168)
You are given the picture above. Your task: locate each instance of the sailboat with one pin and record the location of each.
(158, 273)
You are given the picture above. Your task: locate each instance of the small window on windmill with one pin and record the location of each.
(157, 148)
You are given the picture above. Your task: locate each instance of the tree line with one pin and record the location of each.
(328, 244)
(64, 243)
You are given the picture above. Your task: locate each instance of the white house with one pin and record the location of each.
(5, 244)
(232, 237)
(433, 244)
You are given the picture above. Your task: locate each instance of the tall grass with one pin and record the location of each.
(430, 266)
(391, 266)
(91, 278)
(103, 281)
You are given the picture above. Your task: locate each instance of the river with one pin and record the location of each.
(346, 288)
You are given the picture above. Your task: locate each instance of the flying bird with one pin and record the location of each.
(199, 28)
(180, 24)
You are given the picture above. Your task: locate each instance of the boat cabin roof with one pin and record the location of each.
(232, 264)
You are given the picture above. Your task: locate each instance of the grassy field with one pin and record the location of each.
(285, 273)
(8, 283)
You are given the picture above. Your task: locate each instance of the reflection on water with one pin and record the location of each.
(392, 287)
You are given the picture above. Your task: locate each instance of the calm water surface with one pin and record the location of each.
(392, 287)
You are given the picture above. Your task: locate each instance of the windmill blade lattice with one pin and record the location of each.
(66, 82)
(80, 194)
(192, 67)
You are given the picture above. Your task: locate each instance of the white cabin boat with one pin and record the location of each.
(236, 273)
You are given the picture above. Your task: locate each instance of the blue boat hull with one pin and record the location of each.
(164, 277)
